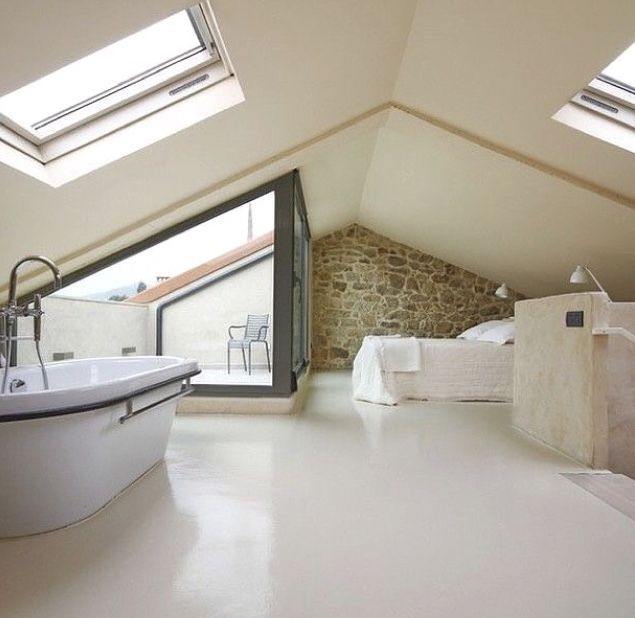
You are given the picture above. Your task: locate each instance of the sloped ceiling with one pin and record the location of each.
(495, 73)
(305, 68)
(501, 69)
(491, 214)
(427, 121)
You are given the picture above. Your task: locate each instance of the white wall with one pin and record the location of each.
(575, 390)
(87, 328)
(559, 394)
(622, 391)
(196, 326)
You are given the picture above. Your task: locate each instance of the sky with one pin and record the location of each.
(623, 67)
(181, 252)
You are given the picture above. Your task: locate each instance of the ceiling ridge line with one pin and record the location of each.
(510, 153)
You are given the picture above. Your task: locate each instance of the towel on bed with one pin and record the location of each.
(400, 354)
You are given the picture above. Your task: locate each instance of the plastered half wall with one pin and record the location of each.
(367, 284)
(573, 385)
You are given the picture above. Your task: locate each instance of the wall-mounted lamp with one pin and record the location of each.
(502, 291)
(581, 275)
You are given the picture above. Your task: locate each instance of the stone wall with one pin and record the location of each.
(366, 284)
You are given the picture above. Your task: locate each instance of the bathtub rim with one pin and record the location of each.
(100, 403)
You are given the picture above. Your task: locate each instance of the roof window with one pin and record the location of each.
(115, 87)
(605, 108)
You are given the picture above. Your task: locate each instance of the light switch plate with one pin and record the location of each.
(575, 319)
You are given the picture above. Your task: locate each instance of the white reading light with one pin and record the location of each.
(581, 275)
(502, 291)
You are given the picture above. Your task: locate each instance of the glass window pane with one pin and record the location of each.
(622, 69)
(176, 255)
(193, 286)
(101, 70)
(197, 324)
(181, 296)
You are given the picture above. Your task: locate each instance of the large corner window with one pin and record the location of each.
(605, 108)
(227, 288)
(114, 87)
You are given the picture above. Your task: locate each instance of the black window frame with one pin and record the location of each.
(303, 279)
(284, 375)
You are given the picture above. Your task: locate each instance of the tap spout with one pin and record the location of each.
(11, 313)
(13, 280)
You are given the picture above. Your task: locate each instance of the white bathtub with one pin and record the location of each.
(66, 452)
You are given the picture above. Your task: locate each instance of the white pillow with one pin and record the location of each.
(472, 334)
(504, 333)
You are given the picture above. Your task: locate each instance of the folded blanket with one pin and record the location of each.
(400, 354)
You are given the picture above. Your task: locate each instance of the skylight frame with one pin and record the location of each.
(138, 97)
(616, 91)
(610, 97)
(121, 93)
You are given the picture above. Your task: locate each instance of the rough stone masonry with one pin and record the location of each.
(367, 284)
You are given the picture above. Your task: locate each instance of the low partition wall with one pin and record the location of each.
(572, 388)
(83, 328)
(621, 395)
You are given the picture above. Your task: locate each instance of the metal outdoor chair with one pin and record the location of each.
(255, 332)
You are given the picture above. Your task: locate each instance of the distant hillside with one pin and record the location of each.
(126, 290)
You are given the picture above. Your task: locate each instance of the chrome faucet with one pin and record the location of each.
(13, 311)
(13, 278)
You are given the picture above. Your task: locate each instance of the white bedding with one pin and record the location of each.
(449, 370)
(399, 354)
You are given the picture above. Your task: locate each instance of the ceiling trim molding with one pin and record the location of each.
(545, 168)
(207, 192)
(262, 166)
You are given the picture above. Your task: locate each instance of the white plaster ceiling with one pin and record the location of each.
(304, 69)
(502, 68)
(310, 73)
(491, 214)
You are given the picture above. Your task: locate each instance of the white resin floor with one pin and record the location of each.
(351, 511)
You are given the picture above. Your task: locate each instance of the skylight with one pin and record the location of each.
(612, 92)
(119, 99)
(111, 76)
(605, 108)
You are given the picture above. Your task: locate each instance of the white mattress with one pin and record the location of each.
(450, 370)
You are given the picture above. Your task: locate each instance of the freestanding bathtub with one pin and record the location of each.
(67, 451)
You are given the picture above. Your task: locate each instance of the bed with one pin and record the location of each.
(388, 370)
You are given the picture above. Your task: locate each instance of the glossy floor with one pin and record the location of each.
(352, 511)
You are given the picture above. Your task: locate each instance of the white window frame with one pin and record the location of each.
(138, 98)
(609, 98)
(614, 89)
